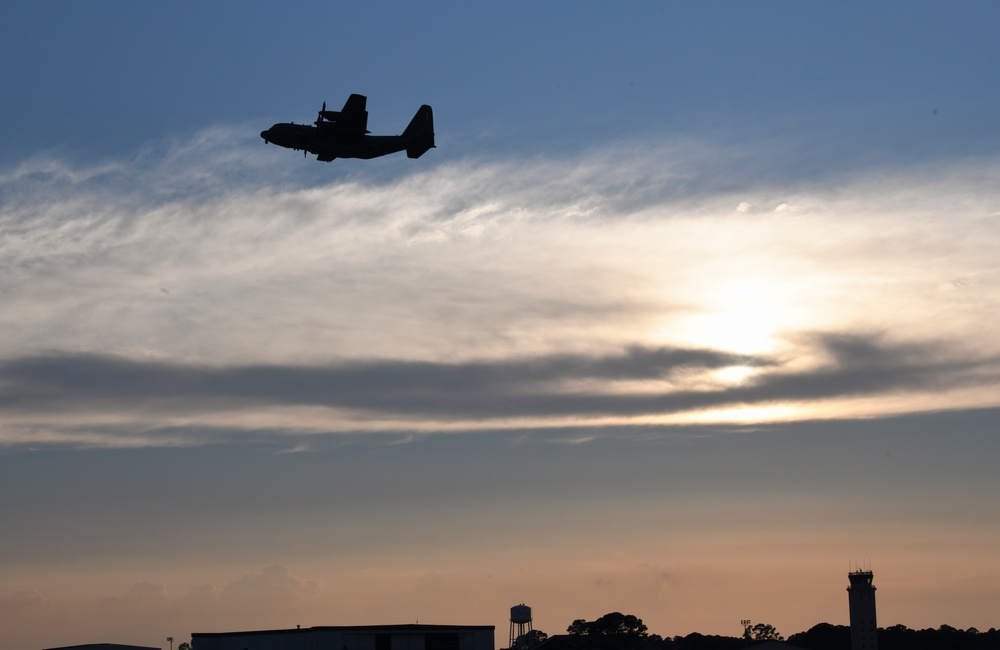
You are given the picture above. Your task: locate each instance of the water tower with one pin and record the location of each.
(520, 627)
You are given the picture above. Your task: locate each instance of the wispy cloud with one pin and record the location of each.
(203, 286)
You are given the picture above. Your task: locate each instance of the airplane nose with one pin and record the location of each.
(264, 134)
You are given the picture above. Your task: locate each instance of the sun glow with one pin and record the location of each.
(745, 415)
(744, 317)
(734, 374)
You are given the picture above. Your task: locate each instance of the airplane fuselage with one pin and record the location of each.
(328, 142)
(344, 134)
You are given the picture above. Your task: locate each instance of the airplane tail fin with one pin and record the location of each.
(420, 132)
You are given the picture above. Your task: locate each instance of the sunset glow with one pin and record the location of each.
(690, 308)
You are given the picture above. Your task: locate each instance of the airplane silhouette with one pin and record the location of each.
(345, 134)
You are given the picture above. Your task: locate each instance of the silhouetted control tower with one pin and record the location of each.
(861, 596)
(520, 627)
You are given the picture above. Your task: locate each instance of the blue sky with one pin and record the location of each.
(691, 310)
(112, 77)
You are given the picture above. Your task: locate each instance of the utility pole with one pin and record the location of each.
(171, 639)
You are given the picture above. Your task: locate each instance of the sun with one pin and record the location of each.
(748, 316)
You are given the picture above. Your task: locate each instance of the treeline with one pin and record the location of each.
(838, 637)
(616, 631)
(899, 637)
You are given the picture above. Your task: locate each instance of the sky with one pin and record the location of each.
(691, 311)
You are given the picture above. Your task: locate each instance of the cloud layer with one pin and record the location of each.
(420, 396)
(200, 284)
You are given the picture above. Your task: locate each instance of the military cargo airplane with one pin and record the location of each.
(345, 134)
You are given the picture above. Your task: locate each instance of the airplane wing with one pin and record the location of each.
(354, 116)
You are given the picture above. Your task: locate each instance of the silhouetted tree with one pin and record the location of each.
(762, 632)
(825, 636)
(897, 637)
(614, 630)
(530, 639)
(697, 641)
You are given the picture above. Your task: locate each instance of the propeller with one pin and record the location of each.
(319, 116)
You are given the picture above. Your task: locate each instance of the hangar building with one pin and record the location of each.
(359, 637)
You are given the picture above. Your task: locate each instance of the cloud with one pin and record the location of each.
(563, 389)
(147, 592)
(46, 381)
(200, 289)
(274, 585)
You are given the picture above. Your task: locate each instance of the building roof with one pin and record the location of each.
(104, 646)
(411, 628)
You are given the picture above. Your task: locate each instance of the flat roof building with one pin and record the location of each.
(104, 646)
(355, 637)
